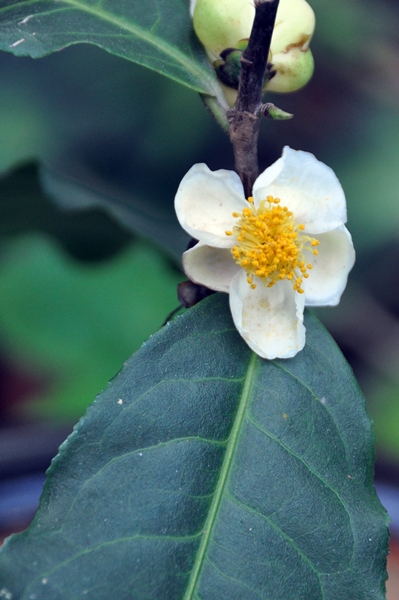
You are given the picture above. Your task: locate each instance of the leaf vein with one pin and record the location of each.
(131, 453)
(224, 473)
(286, 537)
(326, 407)
(144, 35)
(233, 579)
(278, 441)
(85, 551)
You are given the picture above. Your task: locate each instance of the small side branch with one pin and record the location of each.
(244, 117)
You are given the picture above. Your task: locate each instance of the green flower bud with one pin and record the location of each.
(293, 69)
(294, 26)
(222, 24)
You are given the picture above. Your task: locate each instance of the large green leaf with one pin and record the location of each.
(155, 33)
(204, 472)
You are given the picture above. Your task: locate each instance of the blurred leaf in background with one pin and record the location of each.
(77, 323)
(106, 133)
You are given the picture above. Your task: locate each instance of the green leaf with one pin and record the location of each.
(156, 33)
(153, 219)
(204, 472)
(74, 324)
(89, 223)
(89, 234)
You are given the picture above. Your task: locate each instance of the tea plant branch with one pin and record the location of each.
(244, 117)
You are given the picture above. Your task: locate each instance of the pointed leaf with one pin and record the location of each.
(156, 34)
(205, 472)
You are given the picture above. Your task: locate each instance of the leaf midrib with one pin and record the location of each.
(224, 473)
(189, 66)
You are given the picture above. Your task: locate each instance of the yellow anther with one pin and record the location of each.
(315, 252)
(271, 245)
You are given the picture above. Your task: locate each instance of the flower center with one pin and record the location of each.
(271, 245)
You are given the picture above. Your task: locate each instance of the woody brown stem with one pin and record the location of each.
(244, 117)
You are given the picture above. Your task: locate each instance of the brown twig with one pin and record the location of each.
(244, 117)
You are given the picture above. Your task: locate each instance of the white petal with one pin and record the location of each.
(327, 279)
(308, 187)
(269, 319)
(205, 201)
(212, 267)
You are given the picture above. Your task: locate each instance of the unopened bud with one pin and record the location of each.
(220, 24)
(293, 69)
(294, 26)
(223, 24)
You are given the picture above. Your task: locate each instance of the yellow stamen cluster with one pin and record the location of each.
(271, 244)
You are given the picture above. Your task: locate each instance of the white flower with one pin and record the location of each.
(282, 250)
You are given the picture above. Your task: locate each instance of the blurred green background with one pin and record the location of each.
(80, 291)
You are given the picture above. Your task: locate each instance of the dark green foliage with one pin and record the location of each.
(88, 234)
(152, 219)
(155, 34)
(204, 472)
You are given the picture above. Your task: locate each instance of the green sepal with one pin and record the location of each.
(228, 68)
